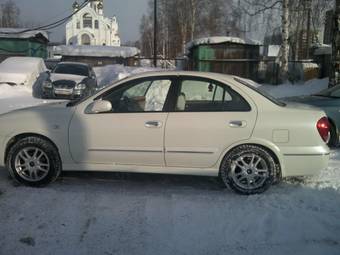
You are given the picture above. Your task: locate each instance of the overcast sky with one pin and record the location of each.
(128, 13)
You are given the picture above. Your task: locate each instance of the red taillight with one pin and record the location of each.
(324, 128)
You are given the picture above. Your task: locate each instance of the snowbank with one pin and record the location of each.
(96, 51)
(16, 97)
(288, 90)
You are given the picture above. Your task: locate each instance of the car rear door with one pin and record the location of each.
(208, 118)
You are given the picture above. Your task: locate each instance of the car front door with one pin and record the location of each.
(208, 118)
(131, 134)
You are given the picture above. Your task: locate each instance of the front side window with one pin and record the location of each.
(143, 96)
(209, 96)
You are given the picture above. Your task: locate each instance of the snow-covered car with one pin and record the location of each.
(171, 123)
(21, 70)
(70, 80)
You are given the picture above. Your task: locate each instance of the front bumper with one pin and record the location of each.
(62, 93)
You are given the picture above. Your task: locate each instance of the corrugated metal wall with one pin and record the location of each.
(22, 47)
(229, 58)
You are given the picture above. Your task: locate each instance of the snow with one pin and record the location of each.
(108, 74)
(273, 50)
(96, 51)
(220, 39)
(323, 49)
(288, 89)
(17, 33)
(107, 213)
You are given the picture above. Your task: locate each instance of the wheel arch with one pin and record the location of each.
(17, 137)
(274, 152)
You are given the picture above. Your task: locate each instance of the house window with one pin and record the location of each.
(78, 25)
(96, 24)
(87, 21)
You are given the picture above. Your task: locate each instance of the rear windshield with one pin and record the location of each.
(261, 92)
(72, 69)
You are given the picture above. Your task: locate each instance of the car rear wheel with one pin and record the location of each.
(248, 169)
(33, 161)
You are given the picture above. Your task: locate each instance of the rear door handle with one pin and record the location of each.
(153, 124)
(237, 123)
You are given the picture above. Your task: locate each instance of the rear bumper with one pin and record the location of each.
(311, 162)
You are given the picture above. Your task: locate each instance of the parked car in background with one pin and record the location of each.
(21, 70)
(169, 122)
(329, 101)
(70, 80)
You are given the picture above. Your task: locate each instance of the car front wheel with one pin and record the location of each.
(248, 169)
(33, 161)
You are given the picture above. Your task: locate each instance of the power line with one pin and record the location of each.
(51, 25)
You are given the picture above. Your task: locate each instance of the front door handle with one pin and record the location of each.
(153, 124)
(237, 123)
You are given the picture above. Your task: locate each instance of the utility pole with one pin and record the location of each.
(334, 79)
(308, 7)
(155, 35)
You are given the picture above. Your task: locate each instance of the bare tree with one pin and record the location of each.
(9, 14)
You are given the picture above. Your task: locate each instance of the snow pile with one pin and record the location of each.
(289, 90)
(220, 39)
(273, 50)
(16, 97)
(17, 33)
(96, 51)
(108, 74)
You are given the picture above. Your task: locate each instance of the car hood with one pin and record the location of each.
(43, 118)
(71, 77)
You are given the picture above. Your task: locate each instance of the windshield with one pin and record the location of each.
(72, 69)
(331, 92)
(263, 93)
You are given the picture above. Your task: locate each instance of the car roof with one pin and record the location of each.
(208, 75)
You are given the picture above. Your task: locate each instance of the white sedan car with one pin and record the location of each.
(172, 123)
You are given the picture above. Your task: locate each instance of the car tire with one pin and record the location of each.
(334, 139)
(33, 161)
(248, 170)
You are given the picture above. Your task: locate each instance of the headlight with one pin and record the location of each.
(80, 86)
(47, 84)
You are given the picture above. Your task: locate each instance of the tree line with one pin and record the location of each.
(270, 21)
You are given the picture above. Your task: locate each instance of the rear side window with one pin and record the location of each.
(209, 96)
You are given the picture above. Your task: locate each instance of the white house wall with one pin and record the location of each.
(106, 34)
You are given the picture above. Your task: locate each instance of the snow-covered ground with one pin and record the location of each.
(101, 213)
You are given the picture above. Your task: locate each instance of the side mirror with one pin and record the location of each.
(99, 106)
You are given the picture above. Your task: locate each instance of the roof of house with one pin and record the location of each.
(96, 51)
(219, 40)
(19, 33)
